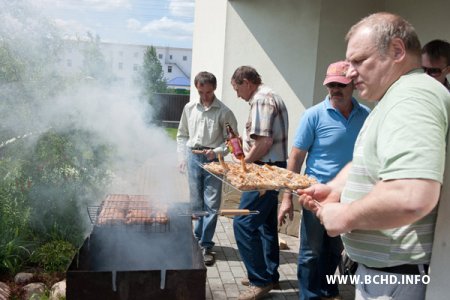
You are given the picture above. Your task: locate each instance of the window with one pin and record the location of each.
(160, 56)
(69, 63)
(169, 69)
(170, 56)
(120, 66)
(184, 57)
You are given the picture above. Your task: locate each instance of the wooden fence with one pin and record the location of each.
(169, 109)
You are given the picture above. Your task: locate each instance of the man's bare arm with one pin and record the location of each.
(390, 204)
(395, 203)
(295, 162)
(260, 148)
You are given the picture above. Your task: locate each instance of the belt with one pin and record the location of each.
(403, 269)
(201, 148)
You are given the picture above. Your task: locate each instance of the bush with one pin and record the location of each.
(69, 170)
(14, 217)
(13, 254)
(54, 256)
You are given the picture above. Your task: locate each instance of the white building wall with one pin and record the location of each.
(178, 58)
(209, 42)
(126, 60)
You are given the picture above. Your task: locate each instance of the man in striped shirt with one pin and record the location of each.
(383, 204)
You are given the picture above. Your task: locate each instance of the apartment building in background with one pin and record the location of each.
(126, 61)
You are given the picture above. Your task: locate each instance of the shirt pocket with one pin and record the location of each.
(212, 127)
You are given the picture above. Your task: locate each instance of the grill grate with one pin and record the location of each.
(128, 212)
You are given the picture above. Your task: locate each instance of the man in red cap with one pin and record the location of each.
(327, 133)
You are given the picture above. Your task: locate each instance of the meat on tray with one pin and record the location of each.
(258, 177)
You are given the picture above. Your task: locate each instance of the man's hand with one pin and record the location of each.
(322, 193)
(333, 218)
(286, 207)
(210, 154)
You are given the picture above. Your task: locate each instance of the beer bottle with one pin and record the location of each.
(234, 143)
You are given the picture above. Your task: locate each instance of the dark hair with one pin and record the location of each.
(385, 27)
(436, 49)
(246, 72)
(205, 78)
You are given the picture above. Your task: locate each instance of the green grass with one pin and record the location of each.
(172, 132)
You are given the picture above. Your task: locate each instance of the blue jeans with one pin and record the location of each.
(205, 195)
(319, 256)
(257, 237)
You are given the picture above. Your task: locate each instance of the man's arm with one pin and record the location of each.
(337, 183)
(390, 204)
(294, 164)
(260, 148)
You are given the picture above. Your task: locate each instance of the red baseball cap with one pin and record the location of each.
(337, 72)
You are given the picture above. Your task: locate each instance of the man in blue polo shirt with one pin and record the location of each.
(327, 133)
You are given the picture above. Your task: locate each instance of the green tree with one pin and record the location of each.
(152, 76)
(27, 73)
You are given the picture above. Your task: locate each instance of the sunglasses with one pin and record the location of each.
(333, 85)
(433, 71)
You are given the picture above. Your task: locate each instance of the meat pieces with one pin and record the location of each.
(131, 209)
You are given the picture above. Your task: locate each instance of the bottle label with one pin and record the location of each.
(236, 147)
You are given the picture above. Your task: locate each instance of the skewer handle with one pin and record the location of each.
(237, 212)
(198, 151)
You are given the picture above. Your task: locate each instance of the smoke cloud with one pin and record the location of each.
(144, 157)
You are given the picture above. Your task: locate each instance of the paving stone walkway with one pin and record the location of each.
(224, 277)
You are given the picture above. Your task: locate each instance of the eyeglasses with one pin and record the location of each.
(433, 71)
(333, 85)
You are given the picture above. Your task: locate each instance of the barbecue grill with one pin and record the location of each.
(150, 255)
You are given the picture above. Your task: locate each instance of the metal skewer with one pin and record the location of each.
(317, 203)
(222, 212)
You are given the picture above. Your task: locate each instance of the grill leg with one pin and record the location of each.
(163, 279)
(114, 279)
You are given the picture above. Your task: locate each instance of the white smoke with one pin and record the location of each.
(114, 112)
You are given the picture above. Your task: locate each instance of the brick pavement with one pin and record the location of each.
(224, 277)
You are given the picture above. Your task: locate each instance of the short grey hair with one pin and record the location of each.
(385, 27)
